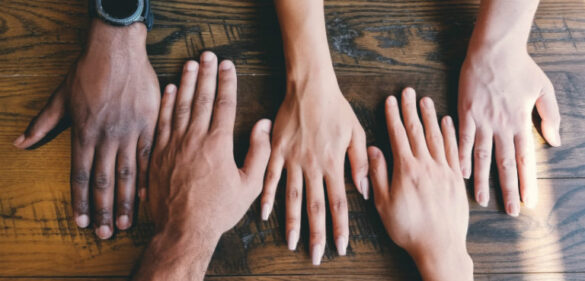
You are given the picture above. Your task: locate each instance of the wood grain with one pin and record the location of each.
(378, 47)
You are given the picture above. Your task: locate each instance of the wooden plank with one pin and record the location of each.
(38, 238)
(42, 37)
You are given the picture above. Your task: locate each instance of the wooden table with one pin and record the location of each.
(378, 47)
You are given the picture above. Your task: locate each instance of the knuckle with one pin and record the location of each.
(81, 206)
(338, 205)
(482, 153)
(522, 159)
(316, 234)
(80, 178)
(293, 194)
(183, 108)
(292, 220)
(204, 100)
(103, 216)
(317, 207)
(125, 173)
(414, 128)
(226, 102)
(465, 138)
(507, 164)
(145, 150)
(102, 181)
(124, 207)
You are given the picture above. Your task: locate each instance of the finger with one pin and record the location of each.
(524, 144)
(450, 142)
(358, 157)
(414, 129)
(466, 138)
(184, 100)
(338, 206)
(548, 110)
(165, 116)
(125, 185)
(103, 190)
(205, 94)
(379, 174)
(433, 133)
(271, 182)
(224, 114)
(44, 122)
(398, 139)
(258, 154)
(294, 200)
(144, 151)
(82, 153)
(316, 214)
(482, 157)
(506, 162)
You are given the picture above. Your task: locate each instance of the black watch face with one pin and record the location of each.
(120, 9)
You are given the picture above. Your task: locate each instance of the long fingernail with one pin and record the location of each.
(317, 254)
(103, 232)
(482, 198)
(82, 221)
(513, 209)
(293, 239)
(266, 208)
(558, 138)
(19, 140)
(365, 186)
(341, 244)
(123, 222)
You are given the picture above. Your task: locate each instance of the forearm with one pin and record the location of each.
(306, 51)
(177, 255)
(503, 23)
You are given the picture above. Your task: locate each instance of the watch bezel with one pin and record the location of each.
(134, 17)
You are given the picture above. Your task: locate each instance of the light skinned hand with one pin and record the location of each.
(112, 96)
(314, 129)
(196, 190)
(424, 207)
(499, 87)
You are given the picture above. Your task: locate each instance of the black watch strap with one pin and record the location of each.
(142, 14)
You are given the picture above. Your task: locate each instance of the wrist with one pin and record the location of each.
(447, 264)
(117, 38)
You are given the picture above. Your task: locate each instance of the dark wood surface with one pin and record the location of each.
(378, 47)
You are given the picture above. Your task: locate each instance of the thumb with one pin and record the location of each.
(548, 110)
(258, 154)
(44, 122)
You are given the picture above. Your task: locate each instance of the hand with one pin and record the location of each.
(111, 97)
(314, 128)
(425, 209)
(196, 191)
(498, 90)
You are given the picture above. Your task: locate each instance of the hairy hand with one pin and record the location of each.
(424, 208)
(111, 96)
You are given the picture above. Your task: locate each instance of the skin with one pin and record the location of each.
(426, 193)
(111, 96)
(196, 191)
(314, 129)
(499, 87)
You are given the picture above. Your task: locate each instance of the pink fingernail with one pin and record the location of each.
(293, 239)
(103, 232)
(82, 221)
(317, 254)
(482, 198)
(365, 186)
(19, 140)
(341, 244)
(266, 208)
(513, 209)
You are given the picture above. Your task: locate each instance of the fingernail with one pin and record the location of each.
(409, 93)
(226, 65)
(392, 100)
(513, 209)
(465, 172)
(448, 121)
(341, 244)
(103, 232)
(123, 222)
(18, 140)
(82, 221)
(482, 199)
(142, 194)
(558, 138)
(265, 211)
(293, 239)
(427, 102)
(317, 254)
(191, 65)
(365, 186)
(171, 89)
(265, 126)
(207, 56)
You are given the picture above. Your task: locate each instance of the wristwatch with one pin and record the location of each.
(122, 12)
